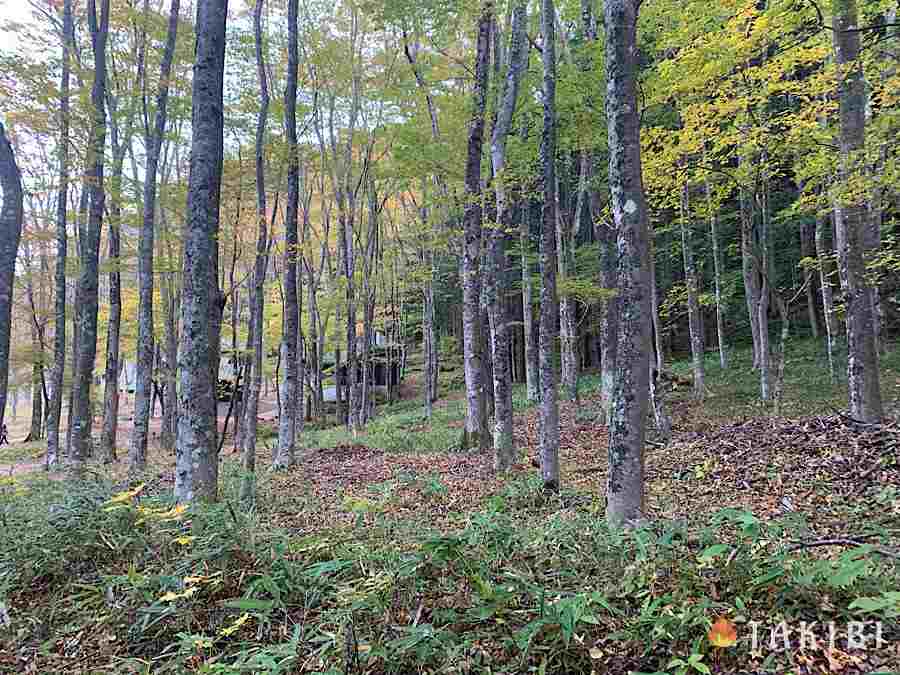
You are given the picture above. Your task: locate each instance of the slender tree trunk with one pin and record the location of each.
(762, 307)
(284, 455)
(750, 267)
(609, 321)
(807, 250)
(257, 299)
(37, 400)
(532, 378)
(567, 330)
(428, 335)
(88, 280)
(137, 452)
(549, 432)
(695, 319)
(630, 401)
(111, 380)
(196, 472)
(62, 203)
(850, 220)
(11, 218)
(717, 275)
(504, 453)
(826, 272)
(657, 363)
(475, 434)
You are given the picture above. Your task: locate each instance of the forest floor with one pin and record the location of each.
(392, 551)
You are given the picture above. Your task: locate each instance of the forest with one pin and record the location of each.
(450, 336)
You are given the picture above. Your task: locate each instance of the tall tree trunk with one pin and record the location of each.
(37, 400)
(88, 279)
(196, 472)
(257, 298)
(428, 336)
(532, 377)
(749, 265)
(609, 321)
(763, 262)
(504, 453)
(567, 330)
(111, 380)
(11, 218)
(695, 319)
(627, 425)
(826, 272)
(657, 362)
(475, 435)
(120, 146)
(62, 204)
(284, 454)
(137, 452)
(851, 220)
(807, 250)
(549, 431)
(717, 276)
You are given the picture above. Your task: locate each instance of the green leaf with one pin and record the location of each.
(250, 604)
(711, 552)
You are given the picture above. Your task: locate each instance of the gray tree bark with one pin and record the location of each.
(826, 273)
(718, 266)
(630, 400)
(62, 237)
(88, 279)
(504, 452)
(807, 250)
(196, 471)
(111, 378)
(284, 454)
(257, 297)
(851, 220)
(549, 431)
(749, 266)
(11, 218)
(153, 138)
(475, 434)
(695, 318)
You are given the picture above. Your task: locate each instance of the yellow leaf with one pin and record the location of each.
(233, 628)
(126, 496)
(184, 541)
(722, 633)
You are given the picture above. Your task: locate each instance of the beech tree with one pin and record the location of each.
(153, 139)
(11, 218)
(62, 206)
(291, 400)
(257, 293)
(549, 440)
(630, 396)
(504, 456)
(850, 219)
(470, 271)
(196, 468)
(86, 295)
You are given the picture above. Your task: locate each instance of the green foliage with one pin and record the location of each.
(529, 581)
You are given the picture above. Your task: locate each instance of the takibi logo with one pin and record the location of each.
(856, 635)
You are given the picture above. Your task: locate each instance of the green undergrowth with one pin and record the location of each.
(808, 386)
(122, 582)
(22, 452)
